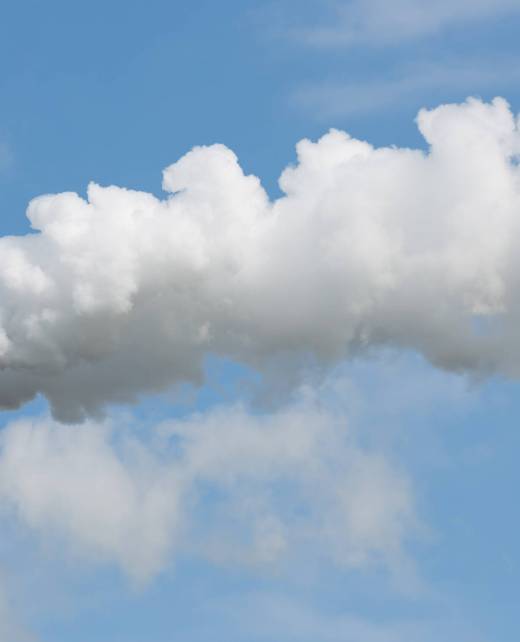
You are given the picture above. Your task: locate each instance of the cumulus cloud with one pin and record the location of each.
(232, 487)
(376, 22)
(124, 293)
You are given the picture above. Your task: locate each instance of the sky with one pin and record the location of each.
(259, 311)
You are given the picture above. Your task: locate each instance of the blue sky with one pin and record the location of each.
(217, 426)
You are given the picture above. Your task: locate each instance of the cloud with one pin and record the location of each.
(278, 616)
(226, 485)
(123, 293)
(73, 484)
(408, 85)
(379, 23)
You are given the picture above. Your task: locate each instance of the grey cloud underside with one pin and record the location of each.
(124, 294)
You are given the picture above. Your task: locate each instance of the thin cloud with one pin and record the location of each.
(376, 23)
(277, 616)
(282, 484)
(408, 85)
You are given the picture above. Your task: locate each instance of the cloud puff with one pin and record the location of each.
(226, 485)
(123, 293)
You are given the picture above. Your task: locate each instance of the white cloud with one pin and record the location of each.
(229, 486)
(74, 484)
(378, 22)
(123, 293)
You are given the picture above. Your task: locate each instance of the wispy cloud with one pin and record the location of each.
(291, 481)
(379, 22)
(405, 85)
(277, 616)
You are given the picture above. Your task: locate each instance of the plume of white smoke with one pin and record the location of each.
(123, 293)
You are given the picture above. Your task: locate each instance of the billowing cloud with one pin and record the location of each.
(226, 485)
(123, 293)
